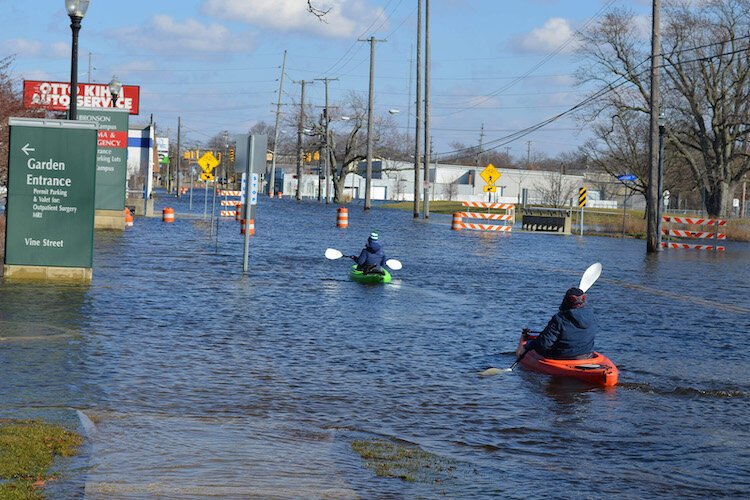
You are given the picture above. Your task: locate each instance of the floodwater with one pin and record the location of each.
(192, 380)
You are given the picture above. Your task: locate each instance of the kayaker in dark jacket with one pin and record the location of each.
(372, 258)
(569, 334)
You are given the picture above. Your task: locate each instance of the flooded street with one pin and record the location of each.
(200, 381)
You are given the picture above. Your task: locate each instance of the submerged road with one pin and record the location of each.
(198, 380)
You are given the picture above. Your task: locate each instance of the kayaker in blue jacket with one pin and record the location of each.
(372, 258)
(569, 334)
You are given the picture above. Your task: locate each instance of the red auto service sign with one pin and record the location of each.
(55, 96)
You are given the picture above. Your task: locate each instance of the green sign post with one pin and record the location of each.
(50, 211)
(111, 157)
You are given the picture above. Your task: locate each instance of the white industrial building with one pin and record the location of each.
(394, 181)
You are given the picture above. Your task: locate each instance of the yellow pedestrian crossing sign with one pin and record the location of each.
(208, 162)
(490, 174)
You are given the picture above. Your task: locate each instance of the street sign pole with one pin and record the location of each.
(248, 201)
(205, 199)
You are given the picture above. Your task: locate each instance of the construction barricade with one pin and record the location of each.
(227, 202)
(509, 215)
(671, 232)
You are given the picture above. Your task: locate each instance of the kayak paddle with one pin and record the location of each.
(333, 254)
(590, 276)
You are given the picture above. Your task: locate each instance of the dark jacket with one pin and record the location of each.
(372, 257)
(568, 335)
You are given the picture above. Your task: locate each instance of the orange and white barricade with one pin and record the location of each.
(671, 232)
(226, 202)
(509, 215)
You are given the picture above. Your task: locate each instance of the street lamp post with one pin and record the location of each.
(662, 131)
(114, 89)
(76, 10)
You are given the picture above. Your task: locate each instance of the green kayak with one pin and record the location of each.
(361, 277)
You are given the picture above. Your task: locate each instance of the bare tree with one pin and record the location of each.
(450, 189)
(347, 140)
(555, 190)
(706, 87)
(11, 104)
(399, 187)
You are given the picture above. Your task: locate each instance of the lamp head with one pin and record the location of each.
(77, 8)
(115, 87)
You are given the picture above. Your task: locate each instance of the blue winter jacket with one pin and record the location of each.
(569, 334)
(371, 255)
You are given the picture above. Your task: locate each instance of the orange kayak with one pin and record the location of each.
(598, 369)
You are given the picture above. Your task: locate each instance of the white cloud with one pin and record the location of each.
(21, 47)
(555, 33)
(60, 50)
(165, 35)
(344, 18)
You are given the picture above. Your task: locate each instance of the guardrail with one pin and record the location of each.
(547, 220)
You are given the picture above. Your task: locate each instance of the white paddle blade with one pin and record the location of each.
(590, 276)
(393, 264)
(333, 254)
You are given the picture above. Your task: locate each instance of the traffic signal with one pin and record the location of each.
(231, 155)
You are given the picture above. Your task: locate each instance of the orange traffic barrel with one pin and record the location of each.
(280, 195)
(251, 227)
(167, 215)
(342, 218)
(457, 223)
(128, 217)
(238, 212)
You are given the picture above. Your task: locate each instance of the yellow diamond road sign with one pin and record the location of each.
(208, 162)
(490, 189)
(490, 174)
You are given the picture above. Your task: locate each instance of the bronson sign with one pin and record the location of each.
(55, 96)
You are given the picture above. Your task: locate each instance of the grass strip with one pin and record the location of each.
(27, 451)
(406, 462)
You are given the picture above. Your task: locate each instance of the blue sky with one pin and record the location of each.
(504, 64)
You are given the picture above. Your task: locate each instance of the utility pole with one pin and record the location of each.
(300, 126)
(271, 181)
(368, 175)
(418, 124)
(652, 218)
(481, 145)
(89, 67)
(179, 156)
(327, 116)
(528, 155)
(427, 109)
